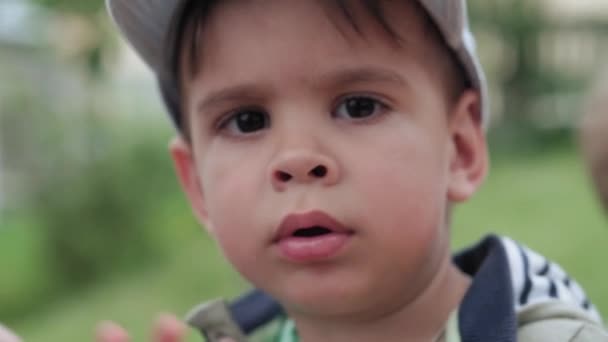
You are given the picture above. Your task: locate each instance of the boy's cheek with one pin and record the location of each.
(240, 248)
(231, 210)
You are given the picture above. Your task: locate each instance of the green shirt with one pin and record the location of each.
(288, 333)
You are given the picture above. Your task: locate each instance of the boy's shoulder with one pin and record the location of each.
(557, 322)
(519, 295)
(523, 277)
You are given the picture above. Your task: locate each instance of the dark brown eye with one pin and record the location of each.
(247, 122)
(358, 107)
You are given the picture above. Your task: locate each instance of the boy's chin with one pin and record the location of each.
(323, 299)
(338, 306)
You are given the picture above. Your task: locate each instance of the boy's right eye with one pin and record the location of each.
(245, 122)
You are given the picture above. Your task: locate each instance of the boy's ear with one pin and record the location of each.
(185, 167)
(469, 153)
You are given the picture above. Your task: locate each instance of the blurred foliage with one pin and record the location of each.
(538, 88)
(99, 215)
(92, 20)
(90, 188)
(94, 210)
(84, 7)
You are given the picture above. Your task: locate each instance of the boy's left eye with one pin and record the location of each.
(359, 107)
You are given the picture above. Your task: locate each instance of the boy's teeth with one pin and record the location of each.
(311, 232)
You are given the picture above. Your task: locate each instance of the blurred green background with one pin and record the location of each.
(93, 225)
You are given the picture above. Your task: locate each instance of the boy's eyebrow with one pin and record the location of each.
(339, 78)
(362, 75)
(227, 95)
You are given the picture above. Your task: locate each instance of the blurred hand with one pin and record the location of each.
(7, 335)
(167, 329)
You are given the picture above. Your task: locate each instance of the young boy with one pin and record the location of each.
(323, 143)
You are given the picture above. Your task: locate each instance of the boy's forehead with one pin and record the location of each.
(249, 30)
(354, 20)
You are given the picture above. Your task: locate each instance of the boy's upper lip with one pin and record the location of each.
(316, 218)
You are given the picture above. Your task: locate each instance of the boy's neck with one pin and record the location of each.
(423, 319)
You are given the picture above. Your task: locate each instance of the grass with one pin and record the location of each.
(544, 202)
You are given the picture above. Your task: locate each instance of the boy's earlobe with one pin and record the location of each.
(185, 167)
(469, 155)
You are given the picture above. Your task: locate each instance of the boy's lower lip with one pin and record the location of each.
(312, 249)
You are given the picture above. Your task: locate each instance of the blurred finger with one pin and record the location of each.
(169, 329)
(111, 332)
(8, 336)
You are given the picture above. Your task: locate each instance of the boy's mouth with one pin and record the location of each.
(312, 231)
(310, 237)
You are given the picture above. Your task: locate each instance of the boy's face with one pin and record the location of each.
(299, 121)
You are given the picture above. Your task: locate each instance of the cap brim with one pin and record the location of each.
(145, 24)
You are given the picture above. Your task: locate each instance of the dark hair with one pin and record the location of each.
(188, 24)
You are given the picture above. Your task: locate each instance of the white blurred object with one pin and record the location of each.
(7, 336)
(597, 9)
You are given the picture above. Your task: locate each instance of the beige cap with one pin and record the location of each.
(146, 25)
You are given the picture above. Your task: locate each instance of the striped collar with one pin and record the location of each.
(507, 279)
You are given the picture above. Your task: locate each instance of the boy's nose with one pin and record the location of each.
(303, 167)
